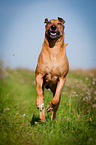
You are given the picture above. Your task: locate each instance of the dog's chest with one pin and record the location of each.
(51, 77)
(54, 66)
(52, 74)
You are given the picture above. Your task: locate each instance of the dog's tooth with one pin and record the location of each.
(53, 33)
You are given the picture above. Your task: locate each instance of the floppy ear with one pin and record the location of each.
(46, 20)
(61, 20)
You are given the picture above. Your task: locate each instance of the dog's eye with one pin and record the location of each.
(49, 23)
(59, 23)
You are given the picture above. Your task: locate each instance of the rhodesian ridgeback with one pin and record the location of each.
(52, 66)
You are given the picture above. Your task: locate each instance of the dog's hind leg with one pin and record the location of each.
(54, 104)
(55, 108)
(40, 98)
(53, 89)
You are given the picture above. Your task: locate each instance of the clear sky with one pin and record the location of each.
(22, 30)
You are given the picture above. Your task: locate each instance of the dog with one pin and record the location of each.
(52, 66)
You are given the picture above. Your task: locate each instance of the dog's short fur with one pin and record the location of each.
(52, 66)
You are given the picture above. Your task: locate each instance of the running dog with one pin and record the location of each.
(52, 67)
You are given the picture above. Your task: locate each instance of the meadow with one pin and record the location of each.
(19, 117)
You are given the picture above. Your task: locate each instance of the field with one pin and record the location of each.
(19, 118)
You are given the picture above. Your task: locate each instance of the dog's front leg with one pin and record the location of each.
(40, 98)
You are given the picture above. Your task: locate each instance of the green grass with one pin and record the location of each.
(19, 118)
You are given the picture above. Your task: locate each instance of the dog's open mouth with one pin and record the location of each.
(53, 34)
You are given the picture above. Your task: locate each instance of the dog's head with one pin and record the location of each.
(54, 28)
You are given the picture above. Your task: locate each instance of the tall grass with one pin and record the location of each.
(19, 118)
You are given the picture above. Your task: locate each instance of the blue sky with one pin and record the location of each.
(22, 30)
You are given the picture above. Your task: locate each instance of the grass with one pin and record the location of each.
(19, 118)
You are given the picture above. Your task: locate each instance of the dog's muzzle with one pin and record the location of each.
(53, 32)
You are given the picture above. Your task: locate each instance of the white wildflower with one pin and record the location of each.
(86, 78)
(24, 115)
(83, 99)
(94, 98)
(7, 109)
(94, 79)
(95, 92)
(94, 105)
(90, 139)
(93, 83)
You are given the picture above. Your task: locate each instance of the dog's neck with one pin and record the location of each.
(51, 42)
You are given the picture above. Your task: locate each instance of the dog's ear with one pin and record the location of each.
(46, 20)
(61, 20)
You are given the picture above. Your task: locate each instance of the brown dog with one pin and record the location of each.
(52, 66)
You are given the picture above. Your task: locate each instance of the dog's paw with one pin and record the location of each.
(49, 108)
(41, 107)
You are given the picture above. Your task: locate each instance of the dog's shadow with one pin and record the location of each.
(35, 119)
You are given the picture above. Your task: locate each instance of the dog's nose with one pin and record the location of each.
(53, 27)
